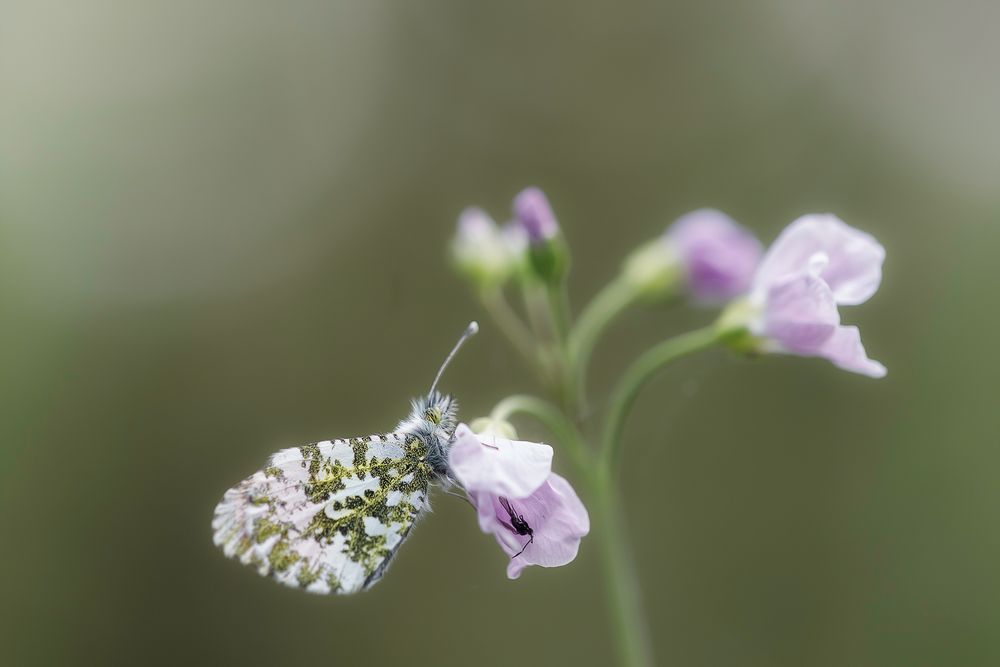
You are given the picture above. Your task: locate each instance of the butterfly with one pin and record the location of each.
(329, 517)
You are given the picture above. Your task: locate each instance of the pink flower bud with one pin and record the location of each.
(718, 256)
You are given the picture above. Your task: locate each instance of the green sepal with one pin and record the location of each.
(549, 260)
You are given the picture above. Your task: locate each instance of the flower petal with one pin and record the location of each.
(533, 212)
(495, 465)
(557, 518)
(845, 350)
(719, 256)
(481, 250)
(854, 271)
(800, 313)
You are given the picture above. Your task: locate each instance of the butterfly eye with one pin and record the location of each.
(433, 415)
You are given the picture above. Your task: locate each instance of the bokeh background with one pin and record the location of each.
(223, 231)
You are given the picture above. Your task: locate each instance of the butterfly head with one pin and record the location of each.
(439, 411)
(434, 417)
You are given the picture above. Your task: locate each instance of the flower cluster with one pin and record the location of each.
(784, 299)
(529, 245)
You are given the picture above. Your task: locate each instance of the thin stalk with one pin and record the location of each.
(537, 306)
(510, 324)
(621, 581)
(566, 355)
(559, 308)
(641, 370)
(603, 309)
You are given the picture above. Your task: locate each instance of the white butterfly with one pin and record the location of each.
(329, 517)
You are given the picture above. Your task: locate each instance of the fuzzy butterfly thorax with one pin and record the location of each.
(433, 419)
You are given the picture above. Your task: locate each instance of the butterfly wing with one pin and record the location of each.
(327, 517)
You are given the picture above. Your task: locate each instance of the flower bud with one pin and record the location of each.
(483, 252)
(718, 256)
(547, 253)
(733, 327)
(490, 426)
(532, 209)
(653, 270)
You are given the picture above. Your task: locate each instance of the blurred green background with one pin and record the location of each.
(223, 229)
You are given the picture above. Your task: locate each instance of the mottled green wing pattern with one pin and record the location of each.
(327, 517)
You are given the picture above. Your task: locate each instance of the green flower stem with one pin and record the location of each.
(641, 370)
(510, 323)
(553, 419)
(565, 384)
(547, 306)
(537, 306)
(607, 305)
(564, 358)
(621, 581)
(559, 308)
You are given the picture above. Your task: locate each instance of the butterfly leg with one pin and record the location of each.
(460, 496)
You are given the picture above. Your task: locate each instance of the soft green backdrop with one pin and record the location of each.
(223, 228)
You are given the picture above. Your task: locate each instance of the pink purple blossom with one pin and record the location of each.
(816, 264)
(534, 514)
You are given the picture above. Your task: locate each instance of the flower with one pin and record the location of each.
(816, 264)
(533, 212)
(484, 252)
(718, 255)
(534, 514)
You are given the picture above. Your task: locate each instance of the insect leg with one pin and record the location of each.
(461, 497)
(531, 538)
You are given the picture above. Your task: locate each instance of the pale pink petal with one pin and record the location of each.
(854, 268)
(533, 212)
(480, 249)
(845, 350)
(495, 465)
(800, 314)
(719, 256)
(475, 226)
(557, 518)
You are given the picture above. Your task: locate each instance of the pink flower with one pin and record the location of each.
(718, 256)
(816, 264)
(534, 514)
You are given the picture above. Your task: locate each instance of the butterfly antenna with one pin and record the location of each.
(470, 331)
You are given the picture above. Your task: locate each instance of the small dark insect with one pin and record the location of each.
(517, 525)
